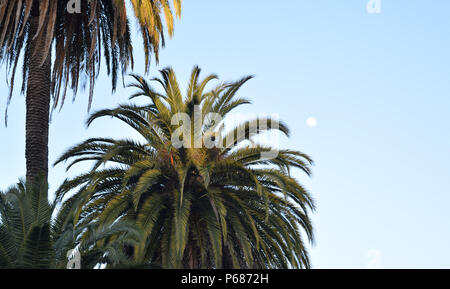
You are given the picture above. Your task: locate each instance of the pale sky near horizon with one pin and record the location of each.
(376, 84)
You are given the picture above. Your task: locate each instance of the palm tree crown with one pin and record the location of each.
(38, 234)
(80, 39)
(199, 207)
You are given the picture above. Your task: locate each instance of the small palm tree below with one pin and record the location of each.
(38, 234)
(221, 206)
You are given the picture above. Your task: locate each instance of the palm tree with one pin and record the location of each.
(31, 238)
(199, 207)
(33, 28)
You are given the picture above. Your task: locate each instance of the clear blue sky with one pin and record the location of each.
(378, 85)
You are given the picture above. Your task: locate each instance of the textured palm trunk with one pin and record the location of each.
(38, 108)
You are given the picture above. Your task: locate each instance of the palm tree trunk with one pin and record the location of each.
(37, 106)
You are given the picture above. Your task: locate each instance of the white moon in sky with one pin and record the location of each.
(311, 122)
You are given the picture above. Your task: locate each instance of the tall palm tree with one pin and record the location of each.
(33, 28)
(218, 207)
(36, 233)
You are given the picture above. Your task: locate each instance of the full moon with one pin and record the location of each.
(311, 122)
